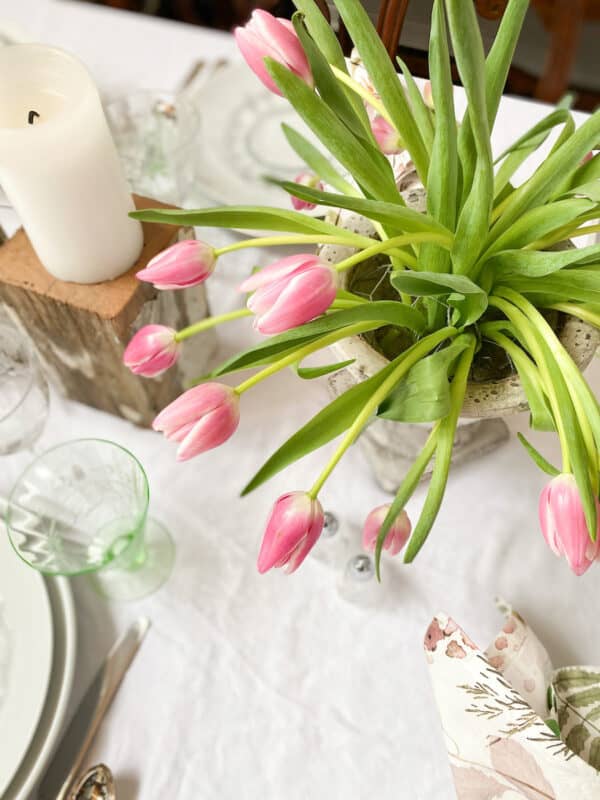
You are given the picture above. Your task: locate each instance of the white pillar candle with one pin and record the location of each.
(60, 169)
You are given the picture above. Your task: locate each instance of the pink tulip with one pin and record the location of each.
(266, 36)
(184, 264)
(295, 524)
(152, 350)
(386, 136)
(290, 292)
(200, 419)
(306, 179)
(428, 95)
(563, 523)
(396, 537)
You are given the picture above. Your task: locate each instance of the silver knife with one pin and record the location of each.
(69, 754)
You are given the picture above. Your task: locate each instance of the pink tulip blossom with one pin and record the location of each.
(266, 36)
(310, 180)
(428, 95)
(184, 264)
(396, 537)
(290, 292)
(295, 524)
(200, 419)
(152, 350)
(563, 523)
(386, 136)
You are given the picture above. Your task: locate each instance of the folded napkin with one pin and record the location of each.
(514, 727)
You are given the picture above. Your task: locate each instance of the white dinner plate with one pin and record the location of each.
(51, 722)
(242, 140)
(26, 636)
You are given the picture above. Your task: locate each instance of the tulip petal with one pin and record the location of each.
(255, 51)
(285, 267)
(212, 430)
(283, 40)
(304, 297)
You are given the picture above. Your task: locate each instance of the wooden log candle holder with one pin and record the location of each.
(81, 330)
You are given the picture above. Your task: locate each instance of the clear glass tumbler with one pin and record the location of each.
(23, 392)
(82, 507)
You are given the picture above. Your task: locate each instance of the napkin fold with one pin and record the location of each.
(502, 710)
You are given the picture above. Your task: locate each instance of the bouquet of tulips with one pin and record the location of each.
(478, 266)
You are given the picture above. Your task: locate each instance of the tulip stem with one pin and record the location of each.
(393, 244)
(210, 322)
(303, 352)
(363, 92)
(407, 360)
(348, 239)
(584, 313)
(561, 235)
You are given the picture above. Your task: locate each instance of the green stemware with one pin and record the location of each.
(82, 507)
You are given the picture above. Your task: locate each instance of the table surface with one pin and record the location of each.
(306, 686)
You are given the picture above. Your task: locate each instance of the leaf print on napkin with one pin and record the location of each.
(511, 760)
(577, 698)
(472, 783)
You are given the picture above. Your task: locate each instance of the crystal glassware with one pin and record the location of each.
(156, 134)
(81, 507)
(23, 392)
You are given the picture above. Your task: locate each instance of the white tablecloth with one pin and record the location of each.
(298, 687)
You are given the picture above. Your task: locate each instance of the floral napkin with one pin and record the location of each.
(514, 727)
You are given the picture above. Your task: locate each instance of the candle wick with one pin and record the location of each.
(31, 117)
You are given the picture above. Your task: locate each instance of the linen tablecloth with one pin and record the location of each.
(300, 687)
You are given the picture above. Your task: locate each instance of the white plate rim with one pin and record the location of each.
(36, 591)
(22, 784)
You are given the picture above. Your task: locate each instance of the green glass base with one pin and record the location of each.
(147, 575)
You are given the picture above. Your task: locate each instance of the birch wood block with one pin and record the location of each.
(80, 331)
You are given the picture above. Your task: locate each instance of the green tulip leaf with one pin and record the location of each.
(310, 373)
(329, 423)
(538, 222)
(540, 263)
(385, 79)
(365, 162)
(400, 218)
(245, 217)
(537, 457)
(546, 182)
(459, 292)
(580, 285)
(383, 312)
(316, 161)
(424, 394)
(421, 112)
(330, 89)
(443, 173)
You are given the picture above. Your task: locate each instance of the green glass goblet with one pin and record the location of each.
(82, 507)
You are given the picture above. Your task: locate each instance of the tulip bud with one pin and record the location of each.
(152, 350)
(184, 264)
(563, 523)
(428, 95)
(396, 537)
(266, 36)
(306, 179)
(293, 527)
(290, 292)
(386, 136)
(200, 419)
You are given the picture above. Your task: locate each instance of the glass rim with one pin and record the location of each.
(178, 99)
(31, 361)
(11, 504)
